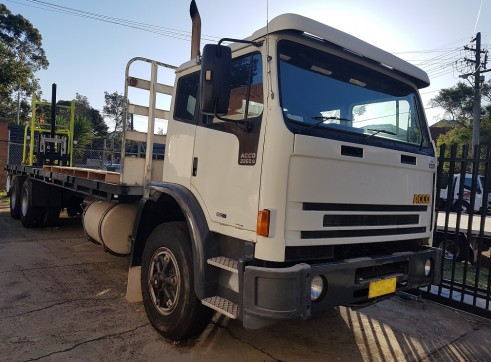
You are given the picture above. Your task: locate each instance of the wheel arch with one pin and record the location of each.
(168, 203)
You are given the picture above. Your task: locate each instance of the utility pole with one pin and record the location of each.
(479, 68)
(477, 94)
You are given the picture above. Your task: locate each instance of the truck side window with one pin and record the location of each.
(187, 91)
(246, 89)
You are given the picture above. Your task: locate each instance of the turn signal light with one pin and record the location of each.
(262, 228)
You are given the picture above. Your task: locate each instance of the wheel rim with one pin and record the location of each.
(24, 202)
(8, 184)
(13, 198)
(164, 281)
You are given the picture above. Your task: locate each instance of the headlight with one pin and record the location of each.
(317, 288)
(428, 267)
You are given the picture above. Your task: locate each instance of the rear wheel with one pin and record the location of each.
(30, 215)
(463, 207)
(15, 197)
(454, 248)
(167, 283)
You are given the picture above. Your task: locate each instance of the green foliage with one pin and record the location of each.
(21, 55)
(114, 108)
(82, 132)
(457, 102)
(83, 109)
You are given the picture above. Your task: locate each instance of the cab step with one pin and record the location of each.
(222, 305)
(225, 263)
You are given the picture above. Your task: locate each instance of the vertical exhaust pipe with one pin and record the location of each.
(196, 32)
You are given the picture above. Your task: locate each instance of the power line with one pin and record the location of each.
(477, 19)
(159, 30)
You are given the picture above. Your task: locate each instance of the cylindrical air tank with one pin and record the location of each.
(110, 224)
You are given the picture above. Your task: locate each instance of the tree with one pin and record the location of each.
(457, 103)
(21, 55)
(83, 109)
(114, 108)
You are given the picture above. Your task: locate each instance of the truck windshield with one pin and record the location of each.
(328, 96)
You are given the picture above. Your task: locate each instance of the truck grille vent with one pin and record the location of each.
(329, 234)
(317, 206)
(369, 220)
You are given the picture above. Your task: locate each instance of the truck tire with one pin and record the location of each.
(454, 247)
(167, 283)
(15, 197)
(30, 215)
(463, 207)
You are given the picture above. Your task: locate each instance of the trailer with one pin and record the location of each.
(298, 175)
(457, 238)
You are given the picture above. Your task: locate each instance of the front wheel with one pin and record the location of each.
(167, 283)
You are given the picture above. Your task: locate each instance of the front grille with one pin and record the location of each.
(317, 206)
(329, 234)
(369, 220)
(362, 220)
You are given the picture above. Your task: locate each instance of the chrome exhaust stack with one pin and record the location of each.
(196, 32)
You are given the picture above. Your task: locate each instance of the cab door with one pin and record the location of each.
(226, 157)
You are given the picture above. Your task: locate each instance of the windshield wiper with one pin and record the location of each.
(322, 119)
(377, 131)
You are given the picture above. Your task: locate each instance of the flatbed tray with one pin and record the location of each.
(87, 173)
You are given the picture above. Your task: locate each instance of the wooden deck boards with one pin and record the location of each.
(87, 173)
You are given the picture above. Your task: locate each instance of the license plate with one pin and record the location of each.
(381, 287)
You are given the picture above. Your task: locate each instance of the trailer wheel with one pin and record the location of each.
(167, 283)
(30, 215)
(454, 247)
(15, 197)
(463, 206)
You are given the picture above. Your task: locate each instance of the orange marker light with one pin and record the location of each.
(262, 228)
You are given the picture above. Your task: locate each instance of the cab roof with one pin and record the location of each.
(298, 23)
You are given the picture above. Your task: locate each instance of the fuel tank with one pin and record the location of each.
(110, 224)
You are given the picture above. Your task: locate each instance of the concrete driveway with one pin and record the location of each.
(62, 298)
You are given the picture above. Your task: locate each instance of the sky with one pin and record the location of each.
(89, 56)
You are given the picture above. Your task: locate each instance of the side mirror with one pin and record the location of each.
(215, 77)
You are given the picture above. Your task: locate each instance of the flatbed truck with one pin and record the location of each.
(299, 175)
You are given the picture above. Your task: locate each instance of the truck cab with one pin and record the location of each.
(300, 163)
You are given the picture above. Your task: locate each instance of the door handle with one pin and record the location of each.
(195, 166)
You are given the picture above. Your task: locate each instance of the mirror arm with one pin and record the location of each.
(257, 44)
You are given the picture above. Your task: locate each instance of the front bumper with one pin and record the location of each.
(284, 293)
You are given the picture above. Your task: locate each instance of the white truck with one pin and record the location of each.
(464, 203)
(298, 175)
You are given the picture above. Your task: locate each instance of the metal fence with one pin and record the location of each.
(96, 158)
(463, 229)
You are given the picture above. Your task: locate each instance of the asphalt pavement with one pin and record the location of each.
(63, 299)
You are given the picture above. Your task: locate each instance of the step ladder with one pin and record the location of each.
(218, 303)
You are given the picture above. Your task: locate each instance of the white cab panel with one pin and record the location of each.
(321, 175)
(228, 189)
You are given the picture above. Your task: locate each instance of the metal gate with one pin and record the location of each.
(463, 229)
